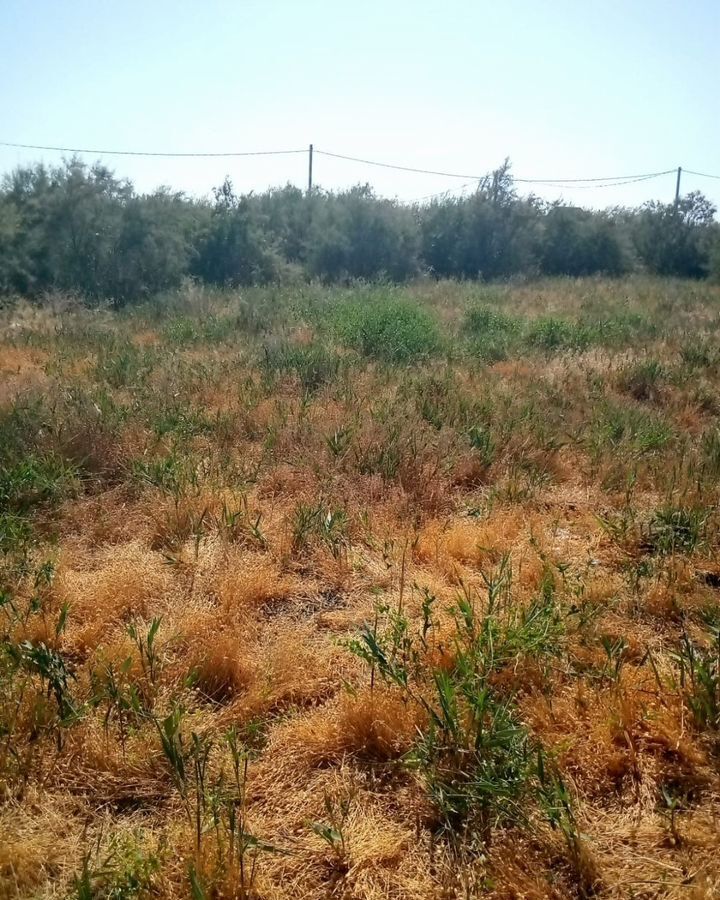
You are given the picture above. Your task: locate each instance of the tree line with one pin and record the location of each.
(80, 229)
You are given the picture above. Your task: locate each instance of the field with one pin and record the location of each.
(362, 592)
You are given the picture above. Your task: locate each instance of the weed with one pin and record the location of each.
(676, 530)
(620, 329)
(123, 700)
(493, 335)
(15, 534)
(671, 803)
(475, 755)
(181, 422)
(126, 870)
(147, 650)
(700, 679)
(330, 526)
(172, 473)
(383, 457)
(642, 380)
(627, 427)
(338, 443)
(387, 329)
(213, 329)
(711, 453)
(483, 442)
(556, 803)
(332, 831)
(614, 648)
(552, 334)
(121, 364)
(314, 365)
(241, 526)
(699, 354)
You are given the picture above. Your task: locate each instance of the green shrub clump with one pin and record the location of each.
(388, 329)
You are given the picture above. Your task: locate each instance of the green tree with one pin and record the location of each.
(676, 238)
(235, 247)
(580, 242)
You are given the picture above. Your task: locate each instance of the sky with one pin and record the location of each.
(565, 89)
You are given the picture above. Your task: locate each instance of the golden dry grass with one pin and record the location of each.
(264, 525)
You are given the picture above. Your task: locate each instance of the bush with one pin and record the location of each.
(676, 239)
(313, 364)
(234, 249)
(492, 333)
(357, 235)
(491, 234)
(80, 230)
(549, 333)
(579, 242)
(677, 530)
(388, 329)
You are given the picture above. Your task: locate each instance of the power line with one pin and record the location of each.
(571, 185)
(701, 174)
(441, 193)
(382, 165)
(148, 152)
(543, 181)
(574, 183)
(568, 185)
(611, 179)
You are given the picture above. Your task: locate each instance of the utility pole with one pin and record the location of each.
(677, 184)
(310, 156)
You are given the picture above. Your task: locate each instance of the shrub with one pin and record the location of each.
(549, 333)
(489, 234)
(492, 333)
(234, 248)
(476, 757)
(676, 530)
(358, 235)
(676, 238)
(579, 242)
(642, 380)
(387, 328)
(313, 364)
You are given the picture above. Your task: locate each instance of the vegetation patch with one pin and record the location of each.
(387, 329)
(323, 590)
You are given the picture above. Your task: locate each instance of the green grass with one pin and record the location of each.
(551, 334)
(314, 364)
(387, 328)
(475, 755)
(677, 529)
(643, 380)
(493, 335)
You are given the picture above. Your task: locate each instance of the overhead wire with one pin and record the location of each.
(543, 181)
(568, 183)
(701, 174)
(151, 152)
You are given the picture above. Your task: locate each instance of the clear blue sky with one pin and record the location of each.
(565, 88)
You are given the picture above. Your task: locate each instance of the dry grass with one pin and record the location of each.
(188, 532)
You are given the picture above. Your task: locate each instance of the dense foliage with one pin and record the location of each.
(80, 229)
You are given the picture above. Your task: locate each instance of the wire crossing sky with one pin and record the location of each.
(404, 96)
